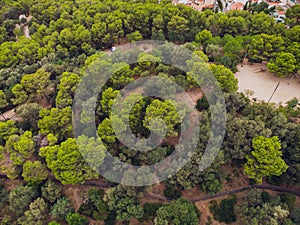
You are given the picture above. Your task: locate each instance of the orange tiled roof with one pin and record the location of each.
(273, 3)
(209, 6)
(281, 12)
(237, 6)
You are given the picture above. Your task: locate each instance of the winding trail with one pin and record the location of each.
(233, 191)
(258, 186)
(102, 184)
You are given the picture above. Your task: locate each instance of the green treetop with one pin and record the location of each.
(265, 159)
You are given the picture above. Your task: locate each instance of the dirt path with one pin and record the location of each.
(241, 189)
(146, 46)
(99, 183)
(26, 32)
(10, 114)
(26, 29)
(264, 83)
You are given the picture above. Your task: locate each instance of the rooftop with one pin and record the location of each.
(237, 6)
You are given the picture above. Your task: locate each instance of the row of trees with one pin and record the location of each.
(46, 202)
(280, 50)
(78, 29)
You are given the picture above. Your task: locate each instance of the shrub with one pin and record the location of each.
(225, 211)
(171, 192)
(202, 104)
(150, 210)
(76, 219)
(289, 199)
(265, 196)
(61, 209)
(94, 207)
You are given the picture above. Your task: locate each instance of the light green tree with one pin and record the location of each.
(166, 112)
(135, 36)
(203, 37)
(177, 27)
(20, 148)
(265, 159)
(225, 77)
(108, 98)
(53, 223)
(201, 55)
(33, 87)
(34, 172)
(122, 75)
(265, 47)
(66, 89)
(7, 129)
(106, 131)
(76, 219)
(37, 212)
(66, 161)
(283, 65)
(57, 122)
(3, 101)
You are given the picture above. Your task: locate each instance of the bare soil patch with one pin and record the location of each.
(75, 195)
(264, 83)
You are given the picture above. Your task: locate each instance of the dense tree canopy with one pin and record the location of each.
(40, 75)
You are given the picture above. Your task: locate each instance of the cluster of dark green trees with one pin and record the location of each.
(29, 205)
(258, 207)
(34, 205)
(39, 77)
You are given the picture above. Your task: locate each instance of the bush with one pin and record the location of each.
(94, 207)
(150, 210)
(61, 209)
(225, 211)
(296, 216)
(76, 219)
(211, 184)
(202, 104)
(20, 199)
(289, 199)
(265, 196)
(171, 192)
(51, 191)
(3, 195)
(111, 218)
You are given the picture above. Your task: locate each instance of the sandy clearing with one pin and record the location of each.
(10, 114)
(264, 83)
